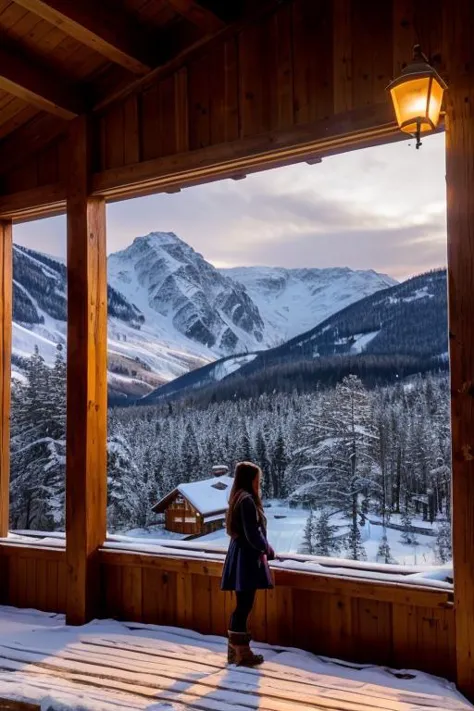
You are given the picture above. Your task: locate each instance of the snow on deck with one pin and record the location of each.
(112, 666)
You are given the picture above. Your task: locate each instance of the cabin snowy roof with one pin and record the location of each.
(209, 496)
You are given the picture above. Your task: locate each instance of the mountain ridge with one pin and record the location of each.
(397, 331)
(171, 311)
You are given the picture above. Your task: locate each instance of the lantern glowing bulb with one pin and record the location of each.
(417, 96)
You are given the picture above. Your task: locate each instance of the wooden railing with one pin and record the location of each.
(357, 619)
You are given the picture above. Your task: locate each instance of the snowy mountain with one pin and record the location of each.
(174, 285)
(397, 331)
(407, 319)
(292, 301)
(140, 358)
(171, 311)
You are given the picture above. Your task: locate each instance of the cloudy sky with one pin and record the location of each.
(381, 208)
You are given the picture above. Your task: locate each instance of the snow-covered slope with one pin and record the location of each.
(292, 301)
(402, 326)
(140, 357)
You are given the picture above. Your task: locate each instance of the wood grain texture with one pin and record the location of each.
(405, 632)
(198, 15)
(342, 56)
(181, 110)
(23, 145)
(372, 51)
(22, 78)
(108, 31)
(403, 34)
(86, 459)
(336, 618)
(298, 68)
(458, 24)
(313, 70)
(370, 125)
(6, 277)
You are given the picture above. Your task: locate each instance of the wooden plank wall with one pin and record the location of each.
(33, 578)
(305, 62)
(359, 621)
(302, 63)
(47, 167)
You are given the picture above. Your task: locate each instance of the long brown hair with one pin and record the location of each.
(244, 476)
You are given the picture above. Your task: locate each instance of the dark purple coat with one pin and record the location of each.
(246, 566)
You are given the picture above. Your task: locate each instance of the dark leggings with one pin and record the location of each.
(238, 619)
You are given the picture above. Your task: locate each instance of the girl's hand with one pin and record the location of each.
(270, 553)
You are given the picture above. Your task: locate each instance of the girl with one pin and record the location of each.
(246, 566)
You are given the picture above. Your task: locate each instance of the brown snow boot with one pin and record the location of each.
(230, 651)
(239, 651)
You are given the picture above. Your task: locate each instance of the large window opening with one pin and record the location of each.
(296, 318)
(38, 395)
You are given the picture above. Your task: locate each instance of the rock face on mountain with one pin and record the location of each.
(171, 281)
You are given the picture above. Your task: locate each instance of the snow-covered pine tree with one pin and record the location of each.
(443, 550)
(261, 459)
(279, 465)
(325, 542)
(337, 459)
(408, 535)
(364, 510)
(244, 452)
(384, 554)
(308, 535)
(124, 483)
(190, 456)
(38, 452)
(354, 546)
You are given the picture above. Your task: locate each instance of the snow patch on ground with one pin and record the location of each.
(286, 533)
(222, 370)
(362, 340)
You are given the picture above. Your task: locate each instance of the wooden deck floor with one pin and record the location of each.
(110, 665)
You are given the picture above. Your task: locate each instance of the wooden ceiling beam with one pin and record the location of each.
(22, 77)
(103, 27)
(199, 15)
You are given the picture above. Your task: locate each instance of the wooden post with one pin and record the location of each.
(86, 468)
(458, 55)
(5, 370)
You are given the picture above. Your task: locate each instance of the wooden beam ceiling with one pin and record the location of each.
(22, 77)
(199, 15)
(103, 27)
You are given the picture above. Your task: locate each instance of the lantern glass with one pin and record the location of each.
(411, 100)
(436, 99)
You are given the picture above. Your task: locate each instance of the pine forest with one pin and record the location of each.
(341, 456)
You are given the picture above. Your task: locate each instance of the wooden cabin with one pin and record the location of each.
(102, 101)
(197, 507)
